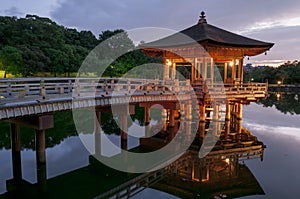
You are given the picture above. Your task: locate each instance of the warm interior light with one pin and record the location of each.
(279, 82)
(231, 63)
(227, 160)
(169, 63)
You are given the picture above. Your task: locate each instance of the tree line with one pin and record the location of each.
(33, 45)
(287, 73)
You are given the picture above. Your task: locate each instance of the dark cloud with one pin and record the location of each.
(286, 39)
(176, 14)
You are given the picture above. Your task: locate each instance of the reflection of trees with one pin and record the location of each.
(286, 103)
(64, 128)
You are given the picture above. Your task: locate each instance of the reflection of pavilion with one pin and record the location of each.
(218, 173)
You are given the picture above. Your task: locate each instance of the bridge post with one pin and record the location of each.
(164, 115)
(124, 130)
(227, 128)
(41, 169)
(97, 129)
(228, 112)
(147, 115)
(16, 152)
(172, 118)
(201, 130)
(240, 111)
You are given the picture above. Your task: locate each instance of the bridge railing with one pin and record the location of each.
(20, 88)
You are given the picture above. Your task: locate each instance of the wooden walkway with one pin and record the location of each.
(28, 96)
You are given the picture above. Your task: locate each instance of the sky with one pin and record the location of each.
(273, 21)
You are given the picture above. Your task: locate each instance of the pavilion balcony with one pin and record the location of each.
(244, 92)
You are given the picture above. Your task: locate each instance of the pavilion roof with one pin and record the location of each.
(207, 35)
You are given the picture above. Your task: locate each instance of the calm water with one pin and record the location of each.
(275, 122)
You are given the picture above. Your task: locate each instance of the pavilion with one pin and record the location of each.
(217, 47)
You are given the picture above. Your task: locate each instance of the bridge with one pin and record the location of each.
(31, 96)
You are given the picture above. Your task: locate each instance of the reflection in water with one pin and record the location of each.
(284, 102)
(221, 173)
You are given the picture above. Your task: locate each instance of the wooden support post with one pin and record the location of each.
(204, 70)
(188, 130)
(166, 71)
(171, 118)
(227, 128)
(188, 114)
(212, 69)
(201, 131)
(164, 115)
(241, 62)
(240, 111)
(97, 130)
(147, 116)
(124, 130)
(202, 113)
(193, 72)
(215, 118)
(225, 72)
(40, 147)
(16, 152)
(233, 75)
(228, 111)
(173, 71)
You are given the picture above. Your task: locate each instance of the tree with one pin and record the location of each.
(10, 59)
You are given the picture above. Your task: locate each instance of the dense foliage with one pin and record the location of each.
(287, 73)
(35, 45)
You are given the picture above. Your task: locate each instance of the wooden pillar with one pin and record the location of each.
(124, 130)
(188, 130)
(16, 152)
(164, 115)
(215, 118)
(201, 130)
(171, 118)
(197, 65)
(40, 147)
(97, 129)
(202, 113)
(193, 71)
(225, 72)
(240, 111)
(233, 75)
(241, 63)
(228, 111)
(212, 69)
(147, 116)
(188, 114)
(204, 69)
(173, 71)
(227, 128)
(166, 71)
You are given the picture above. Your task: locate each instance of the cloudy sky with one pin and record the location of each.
(274, 21)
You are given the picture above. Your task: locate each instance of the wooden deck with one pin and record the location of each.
(27, 96)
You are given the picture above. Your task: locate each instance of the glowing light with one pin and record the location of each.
(278, 96)
(227, 160)
(231, 63)
(279, 82)
(169, 63)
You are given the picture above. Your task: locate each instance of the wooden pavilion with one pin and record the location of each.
(201, 47)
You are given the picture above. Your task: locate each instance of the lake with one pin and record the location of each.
(274, 121)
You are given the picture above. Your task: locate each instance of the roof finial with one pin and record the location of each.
(202, 19)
